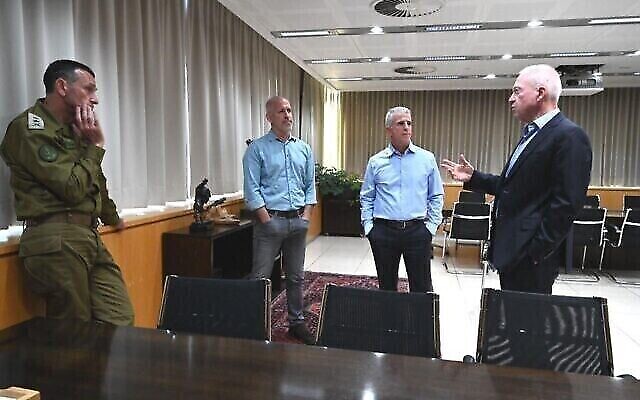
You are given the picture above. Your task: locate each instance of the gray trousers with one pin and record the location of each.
(288, 235)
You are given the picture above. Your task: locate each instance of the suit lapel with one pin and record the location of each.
(540, 137)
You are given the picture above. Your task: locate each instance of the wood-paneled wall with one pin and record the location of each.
(138, 251)
(610, 197)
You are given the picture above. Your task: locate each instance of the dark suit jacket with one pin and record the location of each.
(535, 206)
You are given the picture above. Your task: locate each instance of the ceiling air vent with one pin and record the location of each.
(415, 70)
(407, 8)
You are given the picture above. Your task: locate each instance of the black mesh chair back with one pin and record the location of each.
(589, 230)
(466, 196)
(630, 201)
(592, 201)
(223, 307)
(630, 231)
(559, 333)
(380, 321)
(470, 221)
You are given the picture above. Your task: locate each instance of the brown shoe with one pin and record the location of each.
(301, 332)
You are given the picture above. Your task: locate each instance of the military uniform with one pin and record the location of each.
(60, 192)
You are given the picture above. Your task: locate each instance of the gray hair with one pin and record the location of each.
(388, 119)
(543, 75)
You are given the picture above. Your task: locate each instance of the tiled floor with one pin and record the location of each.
(460, 299)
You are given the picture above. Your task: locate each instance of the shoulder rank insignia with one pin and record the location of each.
(35, 122)
(48, 153)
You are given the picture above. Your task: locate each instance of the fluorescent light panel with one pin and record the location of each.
(444, 58)
(469, 26)
(617, 20)
(304, 33)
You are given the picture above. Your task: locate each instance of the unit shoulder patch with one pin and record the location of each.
(48, 153)
(34, 121)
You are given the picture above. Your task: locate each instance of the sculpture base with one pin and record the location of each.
(201, 226)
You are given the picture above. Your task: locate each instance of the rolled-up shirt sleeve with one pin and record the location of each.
(367, 197)
(251, 169)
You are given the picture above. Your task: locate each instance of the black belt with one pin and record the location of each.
(68, 217)
(286, 214)
(399, 224)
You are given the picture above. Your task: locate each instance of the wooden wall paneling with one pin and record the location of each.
(16, 303)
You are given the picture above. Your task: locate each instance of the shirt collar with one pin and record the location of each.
(542, 120)
(390, 150)
(49, 120)
(273, 136)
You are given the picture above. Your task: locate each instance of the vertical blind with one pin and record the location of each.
(479, 124)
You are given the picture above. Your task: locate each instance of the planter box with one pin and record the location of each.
(341, 216)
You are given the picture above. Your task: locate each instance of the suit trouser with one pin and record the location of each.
(525, 276)
(69, 265)
(413, 243)
(290, 236)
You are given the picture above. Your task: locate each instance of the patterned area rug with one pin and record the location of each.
(314, 283)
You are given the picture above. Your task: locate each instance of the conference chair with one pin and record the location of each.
(629, 201)
(593, 201)
(469, 222)
(588, 232)
(466, 196)
(626, 242)
(223, 307)
(380, 321)
(559, 333)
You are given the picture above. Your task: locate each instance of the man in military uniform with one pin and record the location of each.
(54, 151)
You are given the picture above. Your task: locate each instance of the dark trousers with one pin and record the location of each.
(527, 277)
(413, 243)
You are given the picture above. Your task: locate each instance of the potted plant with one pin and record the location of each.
(340, 193)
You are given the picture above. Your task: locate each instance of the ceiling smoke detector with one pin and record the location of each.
(415, 70)
(407, 8)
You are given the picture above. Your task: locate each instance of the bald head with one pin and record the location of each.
(535, 92)
(280, 116)
(543, 75)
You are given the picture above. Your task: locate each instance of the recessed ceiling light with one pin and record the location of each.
(304, 33)
(507, 56)
(490, 76)
(385, 59)
(377, 30)
(629, 20)
(534, 23)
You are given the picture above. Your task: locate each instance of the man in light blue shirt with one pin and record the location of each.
(401, 205)
(279, 186)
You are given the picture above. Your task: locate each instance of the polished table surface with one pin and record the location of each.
(70, 360)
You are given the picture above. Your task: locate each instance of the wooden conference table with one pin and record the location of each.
(73, 360)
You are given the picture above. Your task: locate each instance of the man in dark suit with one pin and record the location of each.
(540, 189)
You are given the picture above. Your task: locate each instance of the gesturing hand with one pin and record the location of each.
(87, 127)
(461, 171)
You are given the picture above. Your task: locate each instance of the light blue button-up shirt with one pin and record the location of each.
(401, 187)
(279, 175)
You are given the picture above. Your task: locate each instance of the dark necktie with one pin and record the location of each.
(527, 131)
